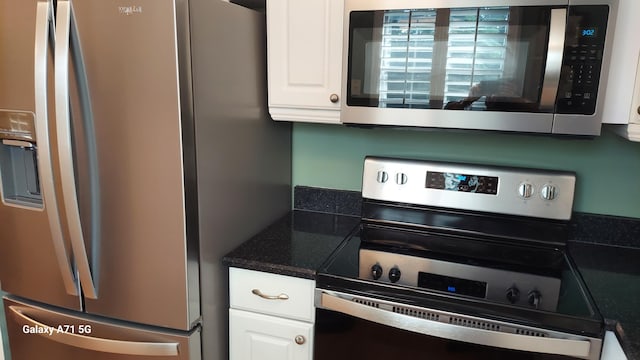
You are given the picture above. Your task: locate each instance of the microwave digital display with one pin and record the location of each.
(462, 182)
(589, 32)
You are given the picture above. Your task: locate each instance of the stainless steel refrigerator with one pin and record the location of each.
(135, 151)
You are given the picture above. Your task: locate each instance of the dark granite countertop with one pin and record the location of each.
(612, 275)
(295, 245)
(300, 242)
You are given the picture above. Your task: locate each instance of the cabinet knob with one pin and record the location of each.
(300, 339)
(334, 98)
(638, 110)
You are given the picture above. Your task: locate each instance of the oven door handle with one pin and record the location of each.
(381, 312)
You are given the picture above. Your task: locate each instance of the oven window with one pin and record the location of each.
(343, 337)
(462, 59)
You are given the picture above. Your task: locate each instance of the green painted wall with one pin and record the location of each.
(607, 167)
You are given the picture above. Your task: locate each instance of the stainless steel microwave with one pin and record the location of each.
(508, 65)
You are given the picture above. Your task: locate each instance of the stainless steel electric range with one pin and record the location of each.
(457, 261)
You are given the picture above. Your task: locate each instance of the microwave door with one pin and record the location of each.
(511, 68)
(35, 255)
(481, 59)
(502, 61)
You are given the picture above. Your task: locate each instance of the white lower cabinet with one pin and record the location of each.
(271, 316)
(262, 337)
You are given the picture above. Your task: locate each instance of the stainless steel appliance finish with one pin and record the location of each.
(468, 261)
(543, 194)
(459, 327)
(80, 337)
(153, 149)
(544, 83)
(497, 280)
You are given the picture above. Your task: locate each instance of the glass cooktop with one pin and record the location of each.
(531, 284)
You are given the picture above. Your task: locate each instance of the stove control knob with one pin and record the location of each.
(382, 177)
(513, 294)
(525, 190)
(534, 298)
(376, 271)
(548, 192)
(394, 274)
(401, 178)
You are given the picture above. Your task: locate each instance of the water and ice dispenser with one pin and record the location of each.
(19, 181)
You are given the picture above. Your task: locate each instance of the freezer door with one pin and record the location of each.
(39, 333)
(143, 268)
(35, 259)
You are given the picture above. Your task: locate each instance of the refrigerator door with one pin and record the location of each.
(39, 333)
(142, 267)
(35, 259)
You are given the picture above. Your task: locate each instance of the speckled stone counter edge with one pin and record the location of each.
(589, 228)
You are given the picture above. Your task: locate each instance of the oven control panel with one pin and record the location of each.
(497, 285)
(495, 189)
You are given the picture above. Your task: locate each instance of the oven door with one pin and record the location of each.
(511, 67)
(357, 327)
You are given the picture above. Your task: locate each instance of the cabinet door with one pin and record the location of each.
(304, 40)
(255, 336)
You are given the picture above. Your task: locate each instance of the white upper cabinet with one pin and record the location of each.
(304, 59)
(622, 96)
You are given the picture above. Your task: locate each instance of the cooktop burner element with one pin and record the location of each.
(484, 244)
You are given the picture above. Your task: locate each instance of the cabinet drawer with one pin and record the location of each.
(272, 294)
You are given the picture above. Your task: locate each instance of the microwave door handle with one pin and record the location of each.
(139, 348)
(333, 301)
(553, 67)
(45, 35)
(65, 151)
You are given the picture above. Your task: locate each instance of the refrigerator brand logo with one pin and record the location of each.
(129, 10)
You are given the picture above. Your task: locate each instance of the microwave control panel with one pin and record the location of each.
(582, 59)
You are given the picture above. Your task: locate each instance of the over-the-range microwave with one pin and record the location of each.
(535, 66)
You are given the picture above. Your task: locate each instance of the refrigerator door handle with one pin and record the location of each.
(59, 334)
(66, 34)
(44, 34)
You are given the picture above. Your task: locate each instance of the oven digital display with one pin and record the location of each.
(452, 285)
(462, 182)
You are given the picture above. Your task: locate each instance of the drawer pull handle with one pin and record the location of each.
(270, 297)
(299, 339)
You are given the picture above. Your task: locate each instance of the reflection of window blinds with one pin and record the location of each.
(476, 51)
(406, 52)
